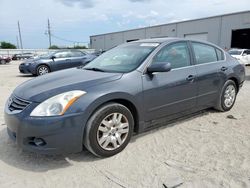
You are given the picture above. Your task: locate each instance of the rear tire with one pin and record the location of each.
(109, 130)
(42, 69)
(227, 96)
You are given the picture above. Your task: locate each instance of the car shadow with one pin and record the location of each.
(28, 161)
(174, 122)
(25, 75)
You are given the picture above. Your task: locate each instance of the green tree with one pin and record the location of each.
(7, 45)
(80, 47)
(54, 47)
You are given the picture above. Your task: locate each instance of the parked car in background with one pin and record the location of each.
(242, 55)
(4, 59)
(97, 53)
(22, 56)
(129, 89)
(62, 59)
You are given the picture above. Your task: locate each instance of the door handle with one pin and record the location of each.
(190, 78)
(223, 68)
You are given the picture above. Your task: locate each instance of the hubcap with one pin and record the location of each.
(43, 70)
(113, 131)
(229, 96)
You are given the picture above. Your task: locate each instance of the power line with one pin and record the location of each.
(49, 33)
(66, 40)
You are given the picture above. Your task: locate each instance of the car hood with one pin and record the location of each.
(46, 86)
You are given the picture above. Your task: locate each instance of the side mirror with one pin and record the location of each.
(159, 67)
(53, 57)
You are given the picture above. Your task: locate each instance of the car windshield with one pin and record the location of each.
(235, 52)
(124, 58)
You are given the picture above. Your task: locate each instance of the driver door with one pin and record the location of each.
(167, 93)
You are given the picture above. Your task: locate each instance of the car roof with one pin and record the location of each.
(68, 50)
(173, 39)
(158, 40)
(239, 49)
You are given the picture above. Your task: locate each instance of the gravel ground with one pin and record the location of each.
(209, 149)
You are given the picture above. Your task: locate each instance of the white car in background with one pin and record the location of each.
(242, 55)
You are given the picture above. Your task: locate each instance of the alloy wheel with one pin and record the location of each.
(43, 70)
(229, 96)
(113, 131)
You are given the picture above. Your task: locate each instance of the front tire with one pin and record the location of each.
(227, 97)
(42, 69)
(109, 130)
(2, 61)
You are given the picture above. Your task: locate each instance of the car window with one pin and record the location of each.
(235, 52)
(77, 54)
(123, 58)
(247, 52)
(176, 54)
(204, 53)
(220, 54)
(62, 55)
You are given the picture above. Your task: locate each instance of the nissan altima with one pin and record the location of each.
(129, 89)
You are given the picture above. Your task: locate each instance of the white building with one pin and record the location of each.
(227, 31)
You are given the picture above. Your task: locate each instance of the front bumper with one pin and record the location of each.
(61, 134)
(26, 69)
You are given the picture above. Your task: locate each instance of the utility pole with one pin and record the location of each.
(17, 42)
(20, 36)
(49, 33)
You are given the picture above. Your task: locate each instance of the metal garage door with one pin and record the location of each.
(197, 36)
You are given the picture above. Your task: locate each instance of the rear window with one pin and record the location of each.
(204, 53)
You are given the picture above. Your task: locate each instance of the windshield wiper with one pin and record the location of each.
(95, 69)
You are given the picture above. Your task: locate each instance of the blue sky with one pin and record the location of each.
(76, 20)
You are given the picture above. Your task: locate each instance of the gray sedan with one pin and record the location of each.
(62, 59)
(129, 89)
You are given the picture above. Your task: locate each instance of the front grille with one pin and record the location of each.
(17, 104)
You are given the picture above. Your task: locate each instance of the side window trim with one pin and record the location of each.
(193, 53)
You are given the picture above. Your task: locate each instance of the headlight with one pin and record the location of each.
(58, 104)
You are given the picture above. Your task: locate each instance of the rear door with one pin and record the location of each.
(211, 70)
(77, 58)
(167, 93)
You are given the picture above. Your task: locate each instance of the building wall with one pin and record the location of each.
(232, 22)
(210, 26)
(217, 30)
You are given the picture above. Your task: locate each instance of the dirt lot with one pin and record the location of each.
(210, 149)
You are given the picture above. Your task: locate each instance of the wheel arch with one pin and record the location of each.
(132, 108)
(236, 81)
(126, 101)
(45, 65)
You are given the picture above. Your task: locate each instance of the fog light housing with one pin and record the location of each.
(39, 142)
